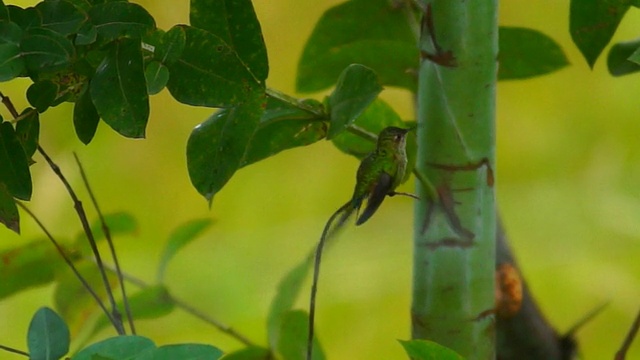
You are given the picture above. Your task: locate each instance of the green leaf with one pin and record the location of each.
(293, 339)
(217, 146)
(11, 63)
(87, 34)
(9, 215)
(42, 94)
(376, 117)
(118, 19)
(28, 131)
(119, 91)
(48, 336)
(14, 164)
(623, 58)
(10, 32)
(526, 53)
(428, 350)
(287, 292)
(85, 117)
(46, 51)
(60, 16)
(284, 126)
(29, 265)
(357, 87)
(183, 352)
(209, 72)
(149, 303)
(235, 22)
(25, 18)
(119, 347)
(368, 32)
(250, 353)
(180, 238)
(171, 46)
(592, 23)
(157, 76)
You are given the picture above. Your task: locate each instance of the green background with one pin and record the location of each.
(567, 184)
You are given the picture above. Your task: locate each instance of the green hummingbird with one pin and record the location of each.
(379, 174)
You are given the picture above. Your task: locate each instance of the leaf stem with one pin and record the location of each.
(12, 350)
(626, 344)
(276, 94)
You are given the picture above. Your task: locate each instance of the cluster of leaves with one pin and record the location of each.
(593, 23)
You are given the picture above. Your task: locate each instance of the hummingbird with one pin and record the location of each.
(379, 174)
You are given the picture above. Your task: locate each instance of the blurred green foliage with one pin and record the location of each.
(567, 187)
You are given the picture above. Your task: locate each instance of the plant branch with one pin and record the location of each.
(626, 344)
(276, 94)
(12, 350)
(107, 234)
(87, 229)
(68, 261)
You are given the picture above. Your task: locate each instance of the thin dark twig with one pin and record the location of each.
(15, 351)
(188, 308)
(112, 249)
(586, 319)
(94, 248)
(626, 344)
(9, 105)
(68, 261)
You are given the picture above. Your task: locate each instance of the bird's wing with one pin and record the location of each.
(381, 188)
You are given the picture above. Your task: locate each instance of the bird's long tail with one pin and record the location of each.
(345, 212)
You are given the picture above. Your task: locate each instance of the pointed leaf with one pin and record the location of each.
(217, 146)
(119, 91)
(293, 340)
(235, 22)
(28, 131)
(119, 347)
(374, 33)
(14, 164)
(46, 51)
(357, 87)
(209, 72)
(526, 53)
(48, 336)
(183, 352)
(42, 94)
(9, 215)
(85, 117)
(180, 238)
(116, 19)
(288, 290)
(283, 127)
(623, 58)
(27, 266)
(250, 353)
(157, 76)
(60, 16)
(592, 23)
(428, 350)
(149, 303)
